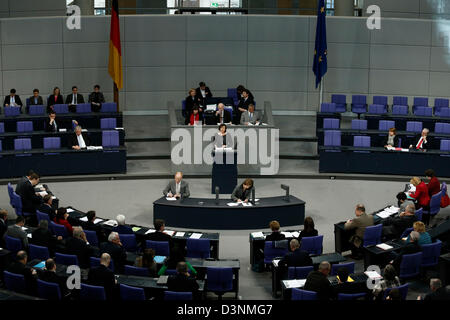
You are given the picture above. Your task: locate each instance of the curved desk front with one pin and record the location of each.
(207, 214)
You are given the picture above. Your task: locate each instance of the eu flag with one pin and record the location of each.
(320, 50)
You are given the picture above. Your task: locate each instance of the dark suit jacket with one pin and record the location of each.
(52, 277)
(426, 145)
(30, 280)
(297, 258)
(52, 127)
(347, 288)
(30, 201)
(199, 96)
(103, 277)
(410, 248)
(160, 236)
(385, 141)
(438, 295)
(393, 227)
(239, 193)
(226, 117)
(81, 249)
(96, 97)
(16, 99)
(45, 208)
(40, 102)
(118, 254)
(98, 230)
(189, 105)
(69, 97)
(275, 236)
(182, 283)
(244, 103)
(74, 140)
(318, 282)
(44, 238)
(304, 234)
(3, 229)
(51, 101)
(123, 229)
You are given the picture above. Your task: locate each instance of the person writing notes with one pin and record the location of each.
(178, 188)
(223, 139)
(250, 117)
(243, 191)
(392, 139)
(79, 140)
(422, 142)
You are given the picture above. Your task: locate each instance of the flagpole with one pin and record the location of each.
(116, 96)
(320, 92)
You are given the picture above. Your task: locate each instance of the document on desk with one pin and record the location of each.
(373, 275)
(246, 204)
(171, 198)
(294, 283)
(169, 232)
(136, 229)
(384, 246)
(275, 262)
(196, 235)
(295, 234)
(69, 210)
(388, 212)
(180, 234)
(150, 231)
(287, 234)
(84, 219)
(94, 148)
(258, 235)
(232, 204)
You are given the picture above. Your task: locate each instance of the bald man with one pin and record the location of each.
(177, 188)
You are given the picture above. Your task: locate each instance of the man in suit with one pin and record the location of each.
(116, 250)
(90, 225)
(295, 258)
(19, 266)
(393, 227)
(44, 238)
(222, 116)
(3, 226)
(78, 245)
(358, 224)
(159, 234)
(411, 247)
(317, 281)
(30, 199)
(16, 231)
(241, 88)
(122, 228)
(276, 235)
(242, 106)
(438, 293)
(422, 142)
(36, 99)
(79, 140)
(50, 123)
(49, 275)
(251, 117)
(177, 188)
(96, 99)
(103, 276)
(46, 207)
(12, 100)
(182, 281)
(73, 99)
(203, 92)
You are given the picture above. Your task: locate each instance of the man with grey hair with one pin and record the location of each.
(422, 141)
(122, 228)
(409, 248)
(317, 281)
(102, 276)
(116, 250)
(437, 293)
(393, 227)
(79, 246)
(295, 258)
(177, 188)
(79, 140)
(222, 116)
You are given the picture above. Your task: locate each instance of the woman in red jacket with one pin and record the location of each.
(421, 196)
(61, 218)
(434, 186)
(195, 117)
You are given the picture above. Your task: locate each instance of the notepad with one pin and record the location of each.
(150, 231)
(196, 235)
(162, 280)
(136, 229)
(159, 259)
(257, 234)
(180, 234)
(384, 246)
(40, 265)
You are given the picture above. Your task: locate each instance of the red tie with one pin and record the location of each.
(419, 145)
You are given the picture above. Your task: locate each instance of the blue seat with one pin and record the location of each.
(58, 230)
(175, 296)
(442, 127)
(361, 141)
(13, 244)
(14, 282)
(161, 247)
(377, 109)
(271, 251)
(329, 123)
(403, 289)
(170, 272)
(385, 125)
(232, 93)
(61, 108)
(406, 232)
(359, 124)
(110, 138)
(36, 110)
(381, 100)
(48, 290)
(430, 254)
(108, 107)
(92, 293)
(439, 104)
(435, 204)
(340, 100)
(38, 252)
(400, 110)
(128, 293)
(423, 111)
(219, 280)
(414, 126)
(136, 271)
(83, 108)
(12, 111)
(22, 144)
(400, 101)
(95, 262)
(332, 138)
(299, 294)
(328, 107)
(66, 259)
(353, 296)
(299, 272)
(445, 145)
(91, 237)
(16, 203)
(350, 266)
(52, 143)
(129, 242)
(372, 235)
(359, 104)
(42, 216)
(108, 123)
(418, 214)
(419, 102)
(313, 245)
(2, 127)
(444, 113)
(24, 126)
(198, 248)
(410, 265)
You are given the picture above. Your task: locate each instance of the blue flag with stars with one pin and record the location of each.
(320, 50)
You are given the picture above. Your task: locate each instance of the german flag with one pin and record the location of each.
(115, 52)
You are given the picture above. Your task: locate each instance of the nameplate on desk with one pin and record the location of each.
(290, 284)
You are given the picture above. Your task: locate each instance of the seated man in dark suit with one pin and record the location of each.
(19, 266)
(50, 123)
(36, 99)
(12, 100)
(241, 88)
(177, 188)
(409, 248)
(103, 276)
(295, 258)
(90, 225)
(96, 99)
(3, 226)
(244, 102)
(49, 275)
(116, 250)
(159, 234)
(438, 293)
(422, 142)
(182, 281)
(46, 207)
(276, 235)
(44, 238)
(222, 115)
(317, 281)
(30, 199)
(79, 140)
(122, 228)
(73, 99)
(78, 245)
(202, 93)
(16, 231)
(393, 227)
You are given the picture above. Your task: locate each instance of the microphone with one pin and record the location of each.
(285, 188)
(217, 195)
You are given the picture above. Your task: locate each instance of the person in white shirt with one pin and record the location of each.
(79, 140)
(177, 188)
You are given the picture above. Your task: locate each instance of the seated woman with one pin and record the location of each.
(392, 139)
(223, 139)
(276, 235)
(177, 254)
(191, 101)
(195, 117)
(55, 98)
(61, 218)
(421, 196)
(243, 191)
(308, 229)
(147, 261)
(424, 238)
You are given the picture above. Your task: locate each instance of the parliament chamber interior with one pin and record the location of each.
(224, 151)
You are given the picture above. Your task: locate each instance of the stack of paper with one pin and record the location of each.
(169, 232)
(196, 235)
(384, 246)
(258, 235)
(388, 212)
(294, 283)
(111, 223)
(180, 234)
(150, 231)
(373, 275)
(97, 220)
